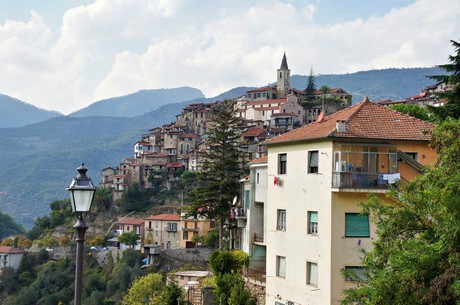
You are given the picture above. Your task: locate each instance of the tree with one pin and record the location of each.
(311, 87)
(230, 289)
(452, 97)
(128, 238)
(415, 111)
(222, 167)
(145, 290)
(103, 198)
(416, 258)
(9, 227)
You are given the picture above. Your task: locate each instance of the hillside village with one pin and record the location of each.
(297, 215)
(299, 154)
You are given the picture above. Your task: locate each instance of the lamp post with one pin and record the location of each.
(81, 196)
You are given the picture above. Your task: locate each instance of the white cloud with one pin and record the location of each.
(114, 47)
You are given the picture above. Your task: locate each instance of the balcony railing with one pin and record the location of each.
(258, 237)
(362, 180)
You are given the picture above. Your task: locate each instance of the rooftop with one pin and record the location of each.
(165, 217)
(365, 120)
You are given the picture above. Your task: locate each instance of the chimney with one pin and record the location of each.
(341, 126)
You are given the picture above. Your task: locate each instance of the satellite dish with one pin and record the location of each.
(320, 117)
(234, 200)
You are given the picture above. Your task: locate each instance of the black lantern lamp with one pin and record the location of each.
(82, 193)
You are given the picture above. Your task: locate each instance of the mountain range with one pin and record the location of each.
(40, 155)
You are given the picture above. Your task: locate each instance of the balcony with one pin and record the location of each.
(350, 180)
(364, 166)
(191, 229)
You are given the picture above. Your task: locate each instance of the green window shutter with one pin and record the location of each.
(357, 225)
(246, 199)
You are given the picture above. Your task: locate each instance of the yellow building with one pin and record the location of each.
(193, 226)
(317, 176)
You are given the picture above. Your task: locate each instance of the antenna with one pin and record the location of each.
(320, 117)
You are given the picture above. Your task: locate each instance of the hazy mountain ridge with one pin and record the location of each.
(138, 103)
(16, 113)
(40, 160)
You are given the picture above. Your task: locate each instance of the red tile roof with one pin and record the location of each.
(365, 120)
(253, 132)
(261, 89)
(264, 159)
(165, 217)
(131, 221)
(10, 250)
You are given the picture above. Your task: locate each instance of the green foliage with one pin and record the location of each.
(132, 257)
(145, 290)
(223, 165)
(61, 212)
(135, 199)
(241, 257)
(222, 262)
(415, 111)
(229, 284)
(172, 294)
(416, 258)
(452, 107)
(128, 238)
(9, 227)
(239, 295)
(103, 199)
(311, 86)
(8, 280)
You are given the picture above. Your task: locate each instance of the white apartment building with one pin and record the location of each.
(317, 176)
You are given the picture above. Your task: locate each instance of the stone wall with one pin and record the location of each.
(195, 256)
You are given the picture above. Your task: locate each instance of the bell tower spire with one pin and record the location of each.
(282, 78)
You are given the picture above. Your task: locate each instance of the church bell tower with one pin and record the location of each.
(282, 79)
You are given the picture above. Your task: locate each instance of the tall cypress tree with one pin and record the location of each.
(222, 167)
(311, 87)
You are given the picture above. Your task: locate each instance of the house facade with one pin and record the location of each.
(10, 257)
(193, 226)
(317, 176)
(163, 230)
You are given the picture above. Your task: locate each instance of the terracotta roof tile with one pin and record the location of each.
(263, 159)
(365, 120)
(10, 250)
(165, 217)
(131, 221)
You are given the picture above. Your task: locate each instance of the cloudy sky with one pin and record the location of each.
(64, 55)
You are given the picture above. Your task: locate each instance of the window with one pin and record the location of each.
(313, 161)
(355, 273)
(185, 236)
(312, 274)
(246, 199)
(280, 266)
(282, 159)
(257, 175)
(356, 225)
(312, 222)
(281, 224)
(172, 226)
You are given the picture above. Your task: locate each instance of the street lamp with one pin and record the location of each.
(81, 196)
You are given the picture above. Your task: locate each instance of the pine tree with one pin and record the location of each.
(452, 97)
(222, 167)
(311, 87)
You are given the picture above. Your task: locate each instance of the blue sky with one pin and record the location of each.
(64, 55)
